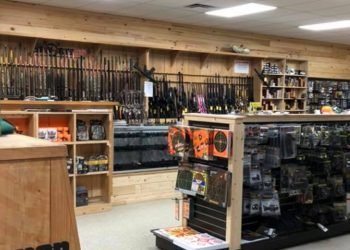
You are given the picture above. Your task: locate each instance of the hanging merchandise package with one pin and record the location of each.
(97, 130)
(200, 179)
(82, 131)
(202, 143)
(177, 141)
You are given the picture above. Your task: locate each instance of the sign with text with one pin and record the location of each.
(241, 67)
(148, 86)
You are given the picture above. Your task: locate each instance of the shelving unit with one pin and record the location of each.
(232, 218)
(224, 223)
(328, 92)
(286, 91)
(99, 184)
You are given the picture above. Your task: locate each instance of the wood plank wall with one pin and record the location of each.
(150, 185)
(326, 60)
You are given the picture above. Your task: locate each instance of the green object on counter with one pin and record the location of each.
(6, 128)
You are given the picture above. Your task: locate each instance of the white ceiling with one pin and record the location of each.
(282, 22)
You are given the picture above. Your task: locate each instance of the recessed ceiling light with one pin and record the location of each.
(327, 26)
(241, 10)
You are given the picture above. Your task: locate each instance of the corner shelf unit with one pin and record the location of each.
(287, 92)
(98, 184)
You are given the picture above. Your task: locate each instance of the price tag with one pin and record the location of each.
(148, 89)
(186, 208)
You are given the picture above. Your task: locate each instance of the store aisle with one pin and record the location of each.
(128, 228)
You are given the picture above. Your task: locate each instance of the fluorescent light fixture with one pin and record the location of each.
(327, 26)
(241, 10)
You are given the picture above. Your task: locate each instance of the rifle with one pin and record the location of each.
(35, 74)
(96, 82)
(70, 77)
(105, 80)
(99, 82)
(2, 78)
(113, 89)
(21, 76)
(66, 82)
(89, 78)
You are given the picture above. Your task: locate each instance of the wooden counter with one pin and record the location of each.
(36, 203)
(217, 118)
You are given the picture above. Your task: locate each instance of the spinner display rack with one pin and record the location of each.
(208, 217)
(228, 223)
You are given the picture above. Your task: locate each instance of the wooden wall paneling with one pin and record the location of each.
(203, 58)
(136, 187)
(100, 28)
(173, 55)
(142, 32)
(193, 63)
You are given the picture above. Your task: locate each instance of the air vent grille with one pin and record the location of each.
(198, 5)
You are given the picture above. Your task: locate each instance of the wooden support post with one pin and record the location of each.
(235, 166)
(144, 61)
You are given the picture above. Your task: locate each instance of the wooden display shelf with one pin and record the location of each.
(284, 78)
(296, 99)
(68, 143)
(233, 220)
(275, 99)
(273, 75)
(289, 75)
(99, 182)
(296, 110)
(92, 142)
(93, 173)
(294, 87)
(233, 123)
